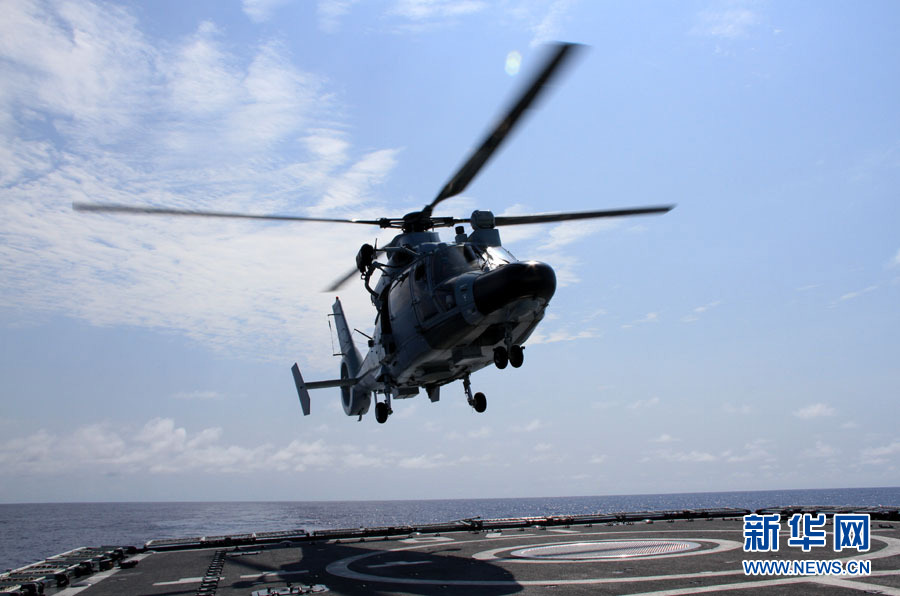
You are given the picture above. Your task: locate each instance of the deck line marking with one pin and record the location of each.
(183, 580)
(274, 574)
(429, 539)
(97, 577)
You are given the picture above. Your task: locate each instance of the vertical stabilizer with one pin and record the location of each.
(351, 355)
(301, 389)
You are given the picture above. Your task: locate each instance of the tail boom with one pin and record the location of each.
(303, 387)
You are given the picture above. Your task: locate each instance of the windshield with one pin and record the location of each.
(495, 256)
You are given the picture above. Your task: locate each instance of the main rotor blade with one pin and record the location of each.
(476, 161)
(117, 208)
(514, 220)
(338, 283)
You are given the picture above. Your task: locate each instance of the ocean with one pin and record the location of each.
(31, 532)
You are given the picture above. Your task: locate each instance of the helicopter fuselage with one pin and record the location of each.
(444, 311)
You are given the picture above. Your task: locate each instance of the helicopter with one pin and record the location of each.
(444, 310)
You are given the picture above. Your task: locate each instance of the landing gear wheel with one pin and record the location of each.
(479, 402)
(516, 356)
(381, 412)
(501, 357)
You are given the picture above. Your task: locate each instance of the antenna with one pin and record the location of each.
(331, 333)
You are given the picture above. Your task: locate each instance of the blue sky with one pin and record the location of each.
(746, 340)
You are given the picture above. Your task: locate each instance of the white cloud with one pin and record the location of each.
(644, 403)
(821, 450)
(78, 66)
(545, 452)
(565, 234)
(696, 313)
(752, 451)
(650, 317)
(545, 20)
(532, 426)
(880, 455)
(549, 337)
(160, 447)
(896, 260)
(431, 10)
(356, 182)
(424, 461)
(684, 456)
(550, 26)
(478, 433)
(665, 438)
(728, 23)
(298, 456)
(742, 409)
(362, 460)
(857, 294)
(481, 433)
(260, 11)
(814, 411)
(331, 12)
(188, 124)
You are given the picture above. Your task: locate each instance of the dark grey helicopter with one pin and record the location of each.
(445, 309)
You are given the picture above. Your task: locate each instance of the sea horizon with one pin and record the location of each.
(426, 499)
(34, 531)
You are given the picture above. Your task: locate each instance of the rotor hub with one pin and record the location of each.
(417, 221)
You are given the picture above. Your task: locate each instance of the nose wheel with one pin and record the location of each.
(477, 401)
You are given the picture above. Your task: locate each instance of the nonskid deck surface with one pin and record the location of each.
(649, 552)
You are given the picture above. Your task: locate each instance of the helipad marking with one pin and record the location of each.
(398, 564)
(599, 550)
(515, 557)
(431, 539)
(270, 575)
(178, 582)
(341, 568)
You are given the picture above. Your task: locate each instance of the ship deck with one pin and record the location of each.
(666, 553)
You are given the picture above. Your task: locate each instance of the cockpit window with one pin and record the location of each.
(452, 260)
(495, 256)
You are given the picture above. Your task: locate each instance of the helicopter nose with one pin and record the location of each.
(522, 279)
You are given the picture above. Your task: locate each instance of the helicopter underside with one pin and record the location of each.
(471, 348)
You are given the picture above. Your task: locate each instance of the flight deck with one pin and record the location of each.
(659, 552)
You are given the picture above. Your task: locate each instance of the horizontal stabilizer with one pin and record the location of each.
(303, 387)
